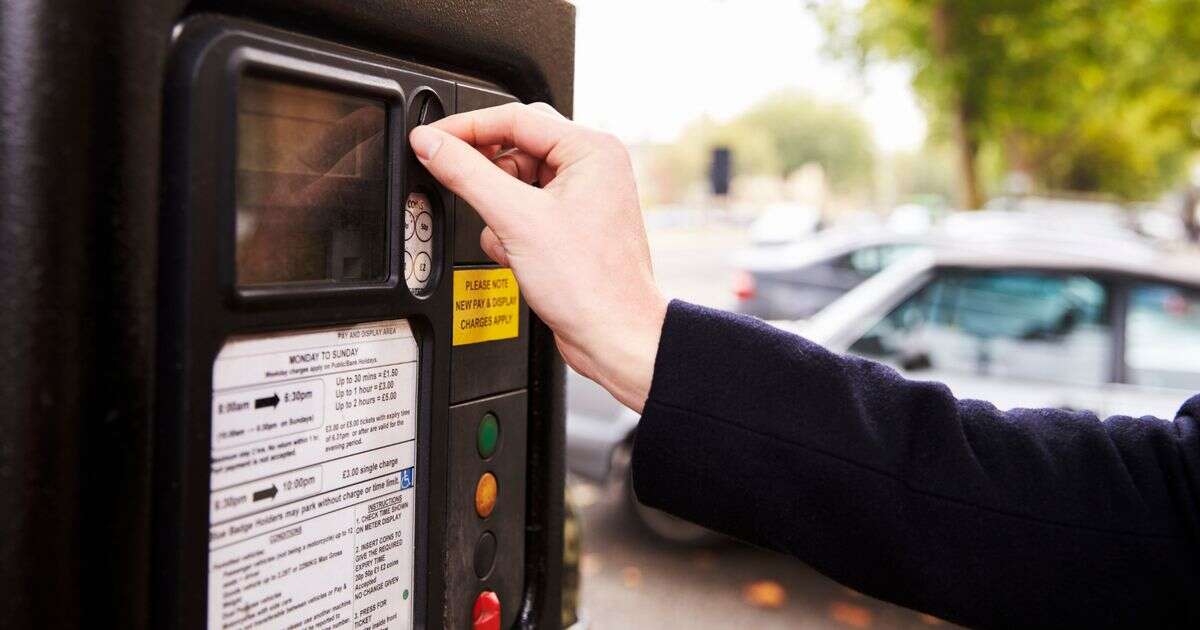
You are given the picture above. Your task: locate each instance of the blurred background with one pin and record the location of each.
(997, 194)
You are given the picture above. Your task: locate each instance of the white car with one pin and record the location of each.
(1031, 328)
(1112, 330)
(797, 280)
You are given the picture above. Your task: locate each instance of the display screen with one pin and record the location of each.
(311, 185)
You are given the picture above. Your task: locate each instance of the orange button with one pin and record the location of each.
(487, 612)
(485, 495)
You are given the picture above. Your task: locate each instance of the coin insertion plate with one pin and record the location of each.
(418, 242)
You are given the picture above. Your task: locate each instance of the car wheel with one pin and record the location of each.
(658, 523)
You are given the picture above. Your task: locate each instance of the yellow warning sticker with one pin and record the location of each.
(486, 305)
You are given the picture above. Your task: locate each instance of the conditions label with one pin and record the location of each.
(486, 305)
(311, 513)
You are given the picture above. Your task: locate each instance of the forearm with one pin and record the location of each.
(900, 490)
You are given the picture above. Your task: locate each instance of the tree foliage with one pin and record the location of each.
(1093, 95)
(776, 137)
(804, 131)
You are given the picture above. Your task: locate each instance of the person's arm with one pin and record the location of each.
(894, 487)
(1028, 517)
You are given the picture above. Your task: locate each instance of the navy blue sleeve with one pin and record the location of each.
(893, 487)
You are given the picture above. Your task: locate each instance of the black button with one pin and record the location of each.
(485, 555)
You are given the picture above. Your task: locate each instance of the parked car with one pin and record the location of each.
(796, 281)
(1113, 330)
(1029, 327)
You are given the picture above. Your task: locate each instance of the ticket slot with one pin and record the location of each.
(486, 553)
(467, 224)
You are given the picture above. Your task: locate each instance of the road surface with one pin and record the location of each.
(631, 580)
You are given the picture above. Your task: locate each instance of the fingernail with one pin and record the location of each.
(425, 142)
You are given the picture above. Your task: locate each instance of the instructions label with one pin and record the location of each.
(486, 305)
(312, 507)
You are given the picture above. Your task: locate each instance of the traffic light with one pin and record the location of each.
(721, 171)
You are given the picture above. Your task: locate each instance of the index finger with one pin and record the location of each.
(533, 131)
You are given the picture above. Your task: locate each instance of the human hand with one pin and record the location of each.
(576, 244)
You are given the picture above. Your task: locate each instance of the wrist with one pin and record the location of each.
(622, 353)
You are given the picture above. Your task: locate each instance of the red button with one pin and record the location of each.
(487, 611)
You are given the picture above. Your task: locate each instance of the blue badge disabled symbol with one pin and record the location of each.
(406, 478)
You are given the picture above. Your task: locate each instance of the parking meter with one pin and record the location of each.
(290, 389)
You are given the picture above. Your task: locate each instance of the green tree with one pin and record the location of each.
(1095, 95)
(803, 131)
(775, 137)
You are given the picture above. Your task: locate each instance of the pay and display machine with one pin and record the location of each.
(291, 390)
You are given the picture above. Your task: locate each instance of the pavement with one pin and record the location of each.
(631, 580)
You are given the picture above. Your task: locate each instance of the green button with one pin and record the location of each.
(488, 437)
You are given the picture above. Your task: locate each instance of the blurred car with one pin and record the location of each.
(1113, 329)
(782, 223)
(911, 218)
(1032, 327)
(797, 280)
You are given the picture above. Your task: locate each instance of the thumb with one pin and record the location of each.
(497, 196)
(491, 245)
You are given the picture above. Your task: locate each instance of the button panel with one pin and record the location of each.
(486, 512)
(487, 442)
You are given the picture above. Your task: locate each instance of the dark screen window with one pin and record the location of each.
(311, 187)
